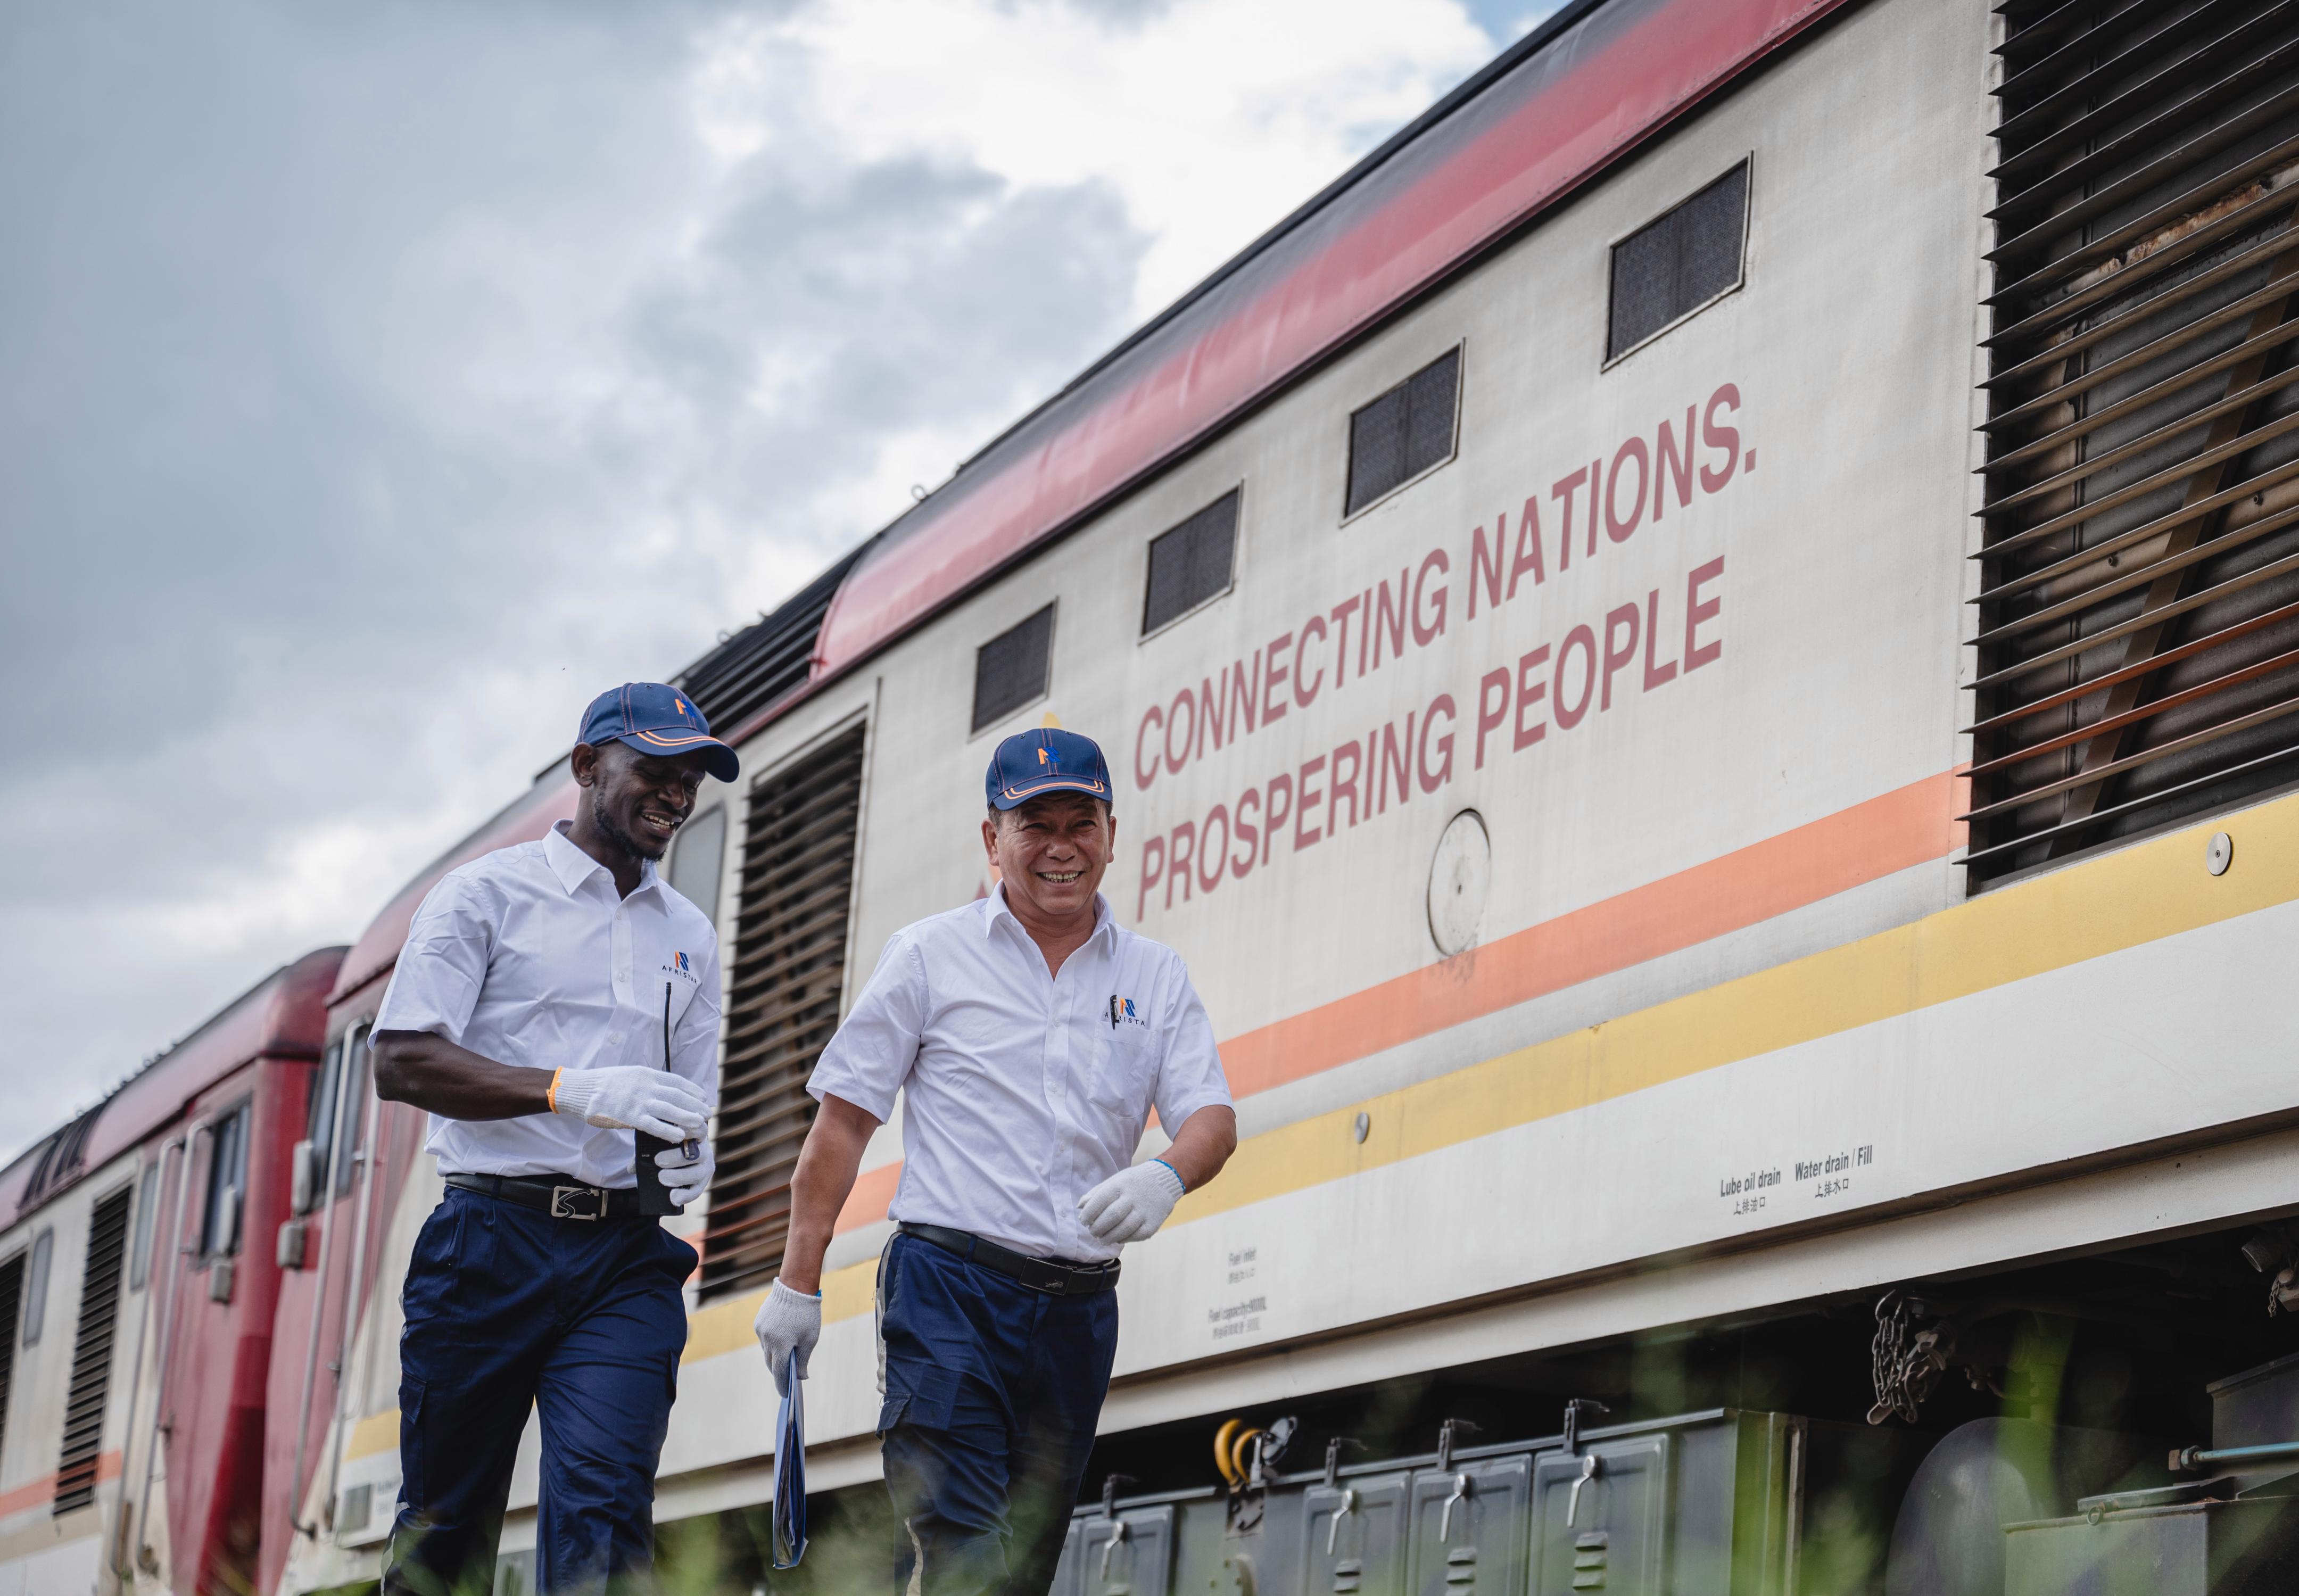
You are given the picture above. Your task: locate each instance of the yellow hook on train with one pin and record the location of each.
(1234, 1450)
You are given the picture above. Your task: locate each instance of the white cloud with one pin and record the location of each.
(1212, 119)
(391, 378)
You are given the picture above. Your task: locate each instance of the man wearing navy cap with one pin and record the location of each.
(1030, 1036)
(553, 998)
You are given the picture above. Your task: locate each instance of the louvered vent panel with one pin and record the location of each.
(12, 1305)
(91, 1348)
(765, 663)
(790, 966)
(2139, 618)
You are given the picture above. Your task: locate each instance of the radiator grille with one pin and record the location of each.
(765, 663)
(92, 1348)
(2139, 615)
(789, 968)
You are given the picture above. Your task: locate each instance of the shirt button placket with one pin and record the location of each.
(1058, 1083)
(615, 1044)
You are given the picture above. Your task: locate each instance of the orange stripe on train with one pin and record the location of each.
(1911, 825)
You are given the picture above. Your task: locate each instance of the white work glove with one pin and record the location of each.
(683, 1179)
(632, 1097)
(1131, 1204)
(789, 1322)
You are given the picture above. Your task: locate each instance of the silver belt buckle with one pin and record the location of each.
(561, 1195)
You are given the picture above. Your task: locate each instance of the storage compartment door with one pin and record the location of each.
(1352, 1537)
(1130, 1555)
(1610, 1533)
(1469, 1529)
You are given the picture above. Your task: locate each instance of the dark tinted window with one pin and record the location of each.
(1404, 432)
(320, 1120)
(226, 1183)
(1191, 564)
(350, 1120)
(1679, 261)
(1009, 670)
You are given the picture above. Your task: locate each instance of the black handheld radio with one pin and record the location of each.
(654, 1197)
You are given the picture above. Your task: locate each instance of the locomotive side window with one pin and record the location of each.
(1678, 262)
(147, 1215)
(36, 1285)
(1405, 432)
(226, 1183)
(1191, 564)
(319, 1126)
(1010, 670)
(352, 1113)
(699, 860)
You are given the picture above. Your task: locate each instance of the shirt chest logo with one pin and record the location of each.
(682, 967)
(1121, 1012)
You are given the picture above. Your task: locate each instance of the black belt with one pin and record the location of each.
(559, 1198)
(1051, 1275)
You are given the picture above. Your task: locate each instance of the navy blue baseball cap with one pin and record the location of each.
(1049, 759)
(659, 720)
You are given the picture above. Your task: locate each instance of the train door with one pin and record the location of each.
(1128, 1554)
(1468, 1529)
(1600, 1518)
(1353, 1535)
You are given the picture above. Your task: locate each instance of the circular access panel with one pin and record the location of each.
(1459, 876)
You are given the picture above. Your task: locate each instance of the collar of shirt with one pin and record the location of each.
(1105, 920)
(573, 867)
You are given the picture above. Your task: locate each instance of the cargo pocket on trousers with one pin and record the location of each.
(925, 1398)
(413, 1478)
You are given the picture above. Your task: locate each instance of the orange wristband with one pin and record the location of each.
(551, 1093)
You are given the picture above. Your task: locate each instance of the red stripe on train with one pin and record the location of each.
(1636, 83)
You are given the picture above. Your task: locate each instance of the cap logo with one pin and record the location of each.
(1042, 756)
(681, 706)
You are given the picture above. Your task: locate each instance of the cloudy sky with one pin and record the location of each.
(378, 381)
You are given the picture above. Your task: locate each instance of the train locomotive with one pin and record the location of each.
(1701, 656)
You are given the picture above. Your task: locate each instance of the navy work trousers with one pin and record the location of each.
(510, 1310)
(993, 1393)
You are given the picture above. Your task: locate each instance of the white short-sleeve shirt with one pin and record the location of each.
(528, 956)
(1024, 1090)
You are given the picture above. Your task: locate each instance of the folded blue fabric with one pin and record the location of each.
(790, 1473)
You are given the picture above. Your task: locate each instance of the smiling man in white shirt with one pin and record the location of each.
(1031, 1036)
(553, 998)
